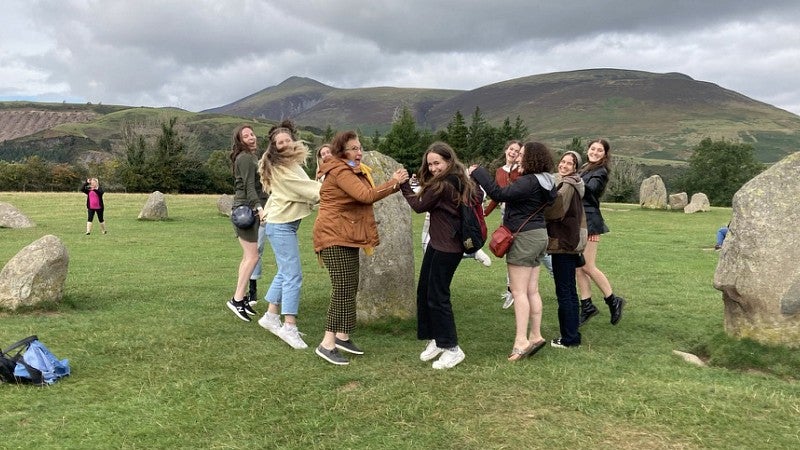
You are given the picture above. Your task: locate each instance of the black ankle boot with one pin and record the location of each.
(253, 294)
(615, 305)
(588, 310)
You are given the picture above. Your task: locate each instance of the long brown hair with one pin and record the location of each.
(455, 169)
(605, 162)
(238, 147)
(296, 153)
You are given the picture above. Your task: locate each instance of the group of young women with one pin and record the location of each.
(548, 211)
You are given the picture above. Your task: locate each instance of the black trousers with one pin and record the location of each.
(434, 311)
(564, 276)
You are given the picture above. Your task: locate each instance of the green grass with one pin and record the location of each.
(158, 361)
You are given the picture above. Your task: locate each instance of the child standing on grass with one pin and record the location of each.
(94, 204)
(443, 185)
(292, 196)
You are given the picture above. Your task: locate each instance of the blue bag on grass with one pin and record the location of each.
(35, 363)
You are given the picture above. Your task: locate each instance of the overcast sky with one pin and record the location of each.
(200, 54)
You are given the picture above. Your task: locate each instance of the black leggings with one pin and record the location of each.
(99, 215)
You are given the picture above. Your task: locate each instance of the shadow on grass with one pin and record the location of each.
(747, 355)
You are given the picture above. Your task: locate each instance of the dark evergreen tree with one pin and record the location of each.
(403, 141)
(329, 133)
(457, 134)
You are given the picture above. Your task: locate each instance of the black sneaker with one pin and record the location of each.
(557, 343)
(348, 346)
(332, 356)
(238, 309)
(248, 306)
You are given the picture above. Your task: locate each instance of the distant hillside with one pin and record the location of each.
(311, 103)
(18, 119)
(656, 116)
(73, 133)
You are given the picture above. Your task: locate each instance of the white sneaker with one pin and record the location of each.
(431, 351)
(292, 337)
(450, 358)
(273, 324)
(483, 258)
(508, 299)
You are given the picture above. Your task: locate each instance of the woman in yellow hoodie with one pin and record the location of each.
(292, 197)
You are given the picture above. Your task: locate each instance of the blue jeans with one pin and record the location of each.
(285, 287)
(567, 294)
(721, 233)
(262, 230)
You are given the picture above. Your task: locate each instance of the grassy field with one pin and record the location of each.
(158, 361)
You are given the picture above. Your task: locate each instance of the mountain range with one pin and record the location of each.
(646, 115)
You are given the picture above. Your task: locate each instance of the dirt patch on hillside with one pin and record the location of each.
(16, 123)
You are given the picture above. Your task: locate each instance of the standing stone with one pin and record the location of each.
(653, 193)
(225, 204)
(35, 275)
(758, 267)
(386, 282)
(678, 201)
(11, 217)
(155, 208)
(699, 203)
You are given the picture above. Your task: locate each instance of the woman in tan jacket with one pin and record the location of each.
(346, 223)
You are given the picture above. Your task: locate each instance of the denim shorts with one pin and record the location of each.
(528, 248)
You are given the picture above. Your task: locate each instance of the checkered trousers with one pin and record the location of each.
(342, 264)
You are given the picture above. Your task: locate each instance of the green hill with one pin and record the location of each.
(645, 115)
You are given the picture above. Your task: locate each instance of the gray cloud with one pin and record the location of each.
(198, 54)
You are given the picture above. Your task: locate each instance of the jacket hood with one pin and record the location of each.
(576, 181)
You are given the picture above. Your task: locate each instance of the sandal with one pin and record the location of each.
(519, 353)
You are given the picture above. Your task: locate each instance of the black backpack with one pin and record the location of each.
(11, 356)
(473, 224)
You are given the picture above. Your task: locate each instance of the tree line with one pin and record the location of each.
(169, 163)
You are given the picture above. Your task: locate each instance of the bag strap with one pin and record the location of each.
(20, 343)
(529, 218)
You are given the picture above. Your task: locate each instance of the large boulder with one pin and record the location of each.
(35, 275)
(678, 201)
(653, 193)
(155, 208)
(11, 217)
(386, 282)
(757, 270)
(699, 202)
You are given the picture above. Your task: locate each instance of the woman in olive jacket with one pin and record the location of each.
(567, 235)
(345, 223)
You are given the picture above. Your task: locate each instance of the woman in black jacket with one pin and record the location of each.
(595, 178)
(525, 200)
